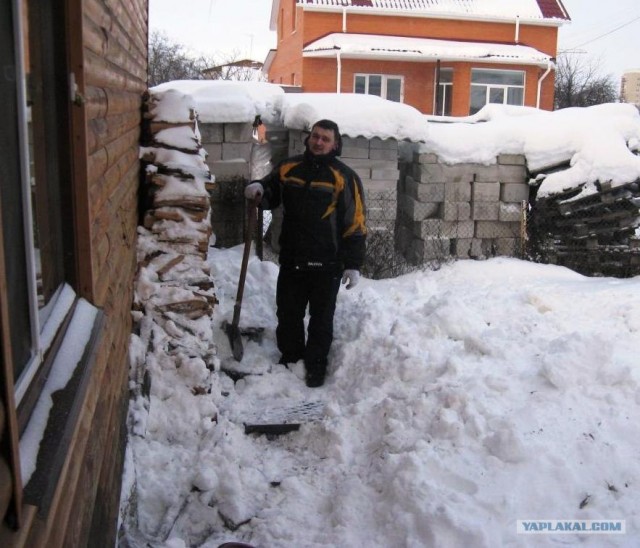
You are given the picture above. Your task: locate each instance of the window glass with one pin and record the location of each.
(387, 87)
(496, 95)
(478, 98)
(501, 77)
(394, 89)
(515, 96)
(375, 85)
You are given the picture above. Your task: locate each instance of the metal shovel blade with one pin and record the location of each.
(235, 341)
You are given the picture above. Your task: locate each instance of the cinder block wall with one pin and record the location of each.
(228, 148)
(465, 210)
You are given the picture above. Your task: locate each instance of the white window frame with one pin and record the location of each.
(444, 86)
(504, 87)
(383, 85)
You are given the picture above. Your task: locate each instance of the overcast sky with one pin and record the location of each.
(228, 29)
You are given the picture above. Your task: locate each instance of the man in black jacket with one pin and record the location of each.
(322, 240)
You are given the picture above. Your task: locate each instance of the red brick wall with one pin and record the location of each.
(319, 75)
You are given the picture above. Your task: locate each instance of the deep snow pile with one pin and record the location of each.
(457, 402)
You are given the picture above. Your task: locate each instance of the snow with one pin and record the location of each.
(67, 358)
(375, 46)
(500, 9)
(457, 402)
(600, 143)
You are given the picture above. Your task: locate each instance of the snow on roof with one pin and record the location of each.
(357, 115)
(375, 46)
(537, 11)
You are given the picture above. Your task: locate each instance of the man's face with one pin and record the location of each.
(322, 141)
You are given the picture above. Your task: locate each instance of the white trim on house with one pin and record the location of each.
(498, 11)
(397, 48)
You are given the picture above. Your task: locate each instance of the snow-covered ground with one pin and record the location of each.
(458, 401)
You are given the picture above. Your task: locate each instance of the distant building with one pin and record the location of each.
(630, 87)
(445, 57)
(242, 70)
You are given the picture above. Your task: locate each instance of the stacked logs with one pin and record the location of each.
(174, 286)
(592, 233)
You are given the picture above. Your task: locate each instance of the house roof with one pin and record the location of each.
(550, 12)
(400, 48)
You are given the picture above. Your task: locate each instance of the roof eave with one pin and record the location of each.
(424, 58)
(408, 13)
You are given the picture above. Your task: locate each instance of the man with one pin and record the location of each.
(322, 240)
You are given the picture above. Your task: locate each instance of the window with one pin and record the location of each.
(444, 92)
(496, 86)
(387, 87)
(36, 212)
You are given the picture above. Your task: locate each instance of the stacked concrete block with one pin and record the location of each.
(228, 147)
(474, 208)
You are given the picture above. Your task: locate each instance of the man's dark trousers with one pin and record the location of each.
(297, 287)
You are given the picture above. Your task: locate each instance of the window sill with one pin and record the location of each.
(50, 440)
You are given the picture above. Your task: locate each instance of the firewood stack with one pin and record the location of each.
(174, 288)
(592, 233)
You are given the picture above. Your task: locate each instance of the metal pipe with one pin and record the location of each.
(540, 80)
(517, 29)
(339, 75)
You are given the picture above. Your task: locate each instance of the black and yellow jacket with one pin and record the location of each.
(324, 212)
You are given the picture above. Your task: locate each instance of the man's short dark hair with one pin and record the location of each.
(330, 124)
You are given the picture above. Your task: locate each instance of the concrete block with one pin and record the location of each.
(461, 248)
(362, 172)
(421, 251)
(235, 151)
(486, 174)
(418, 211)
(230, 170)
(355, 142)
(380, 186)
(457, 192)
(458, 229)
(485, 211)
(425, 192)
(214, 151)
(383, 144)
(456, 211)
(238, 132)
(512, 174)
(425, 158)
(485, 192)
(514, 192)
(384, 214)
(509, 212)
(382, 154)
(428, 229)
(496, 229)
(354, 152)
(475, 251)
(385, 174)
(354, 163)
(512, 159)
(211, 133)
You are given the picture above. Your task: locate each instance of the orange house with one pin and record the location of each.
(444, 57)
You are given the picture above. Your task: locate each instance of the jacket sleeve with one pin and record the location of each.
(354, 229)
(272, 189)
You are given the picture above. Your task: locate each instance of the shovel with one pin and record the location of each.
(233, 331)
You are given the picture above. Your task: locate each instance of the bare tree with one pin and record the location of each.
(580, 83)
(170, 60)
